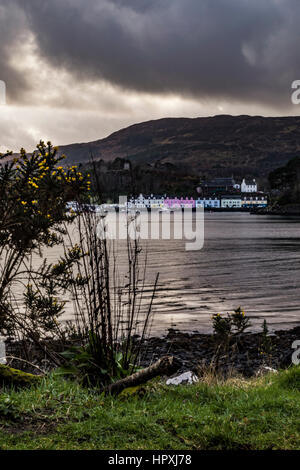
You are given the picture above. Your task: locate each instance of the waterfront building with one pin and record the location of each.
(233, 202)
(146, 202)
(177, 203)
(155, 202)
(208, 203)
(161, 202)
(249, 186)
(254, 200)
(72, 206)
(139, 203)
(225, 201)
(228, 185)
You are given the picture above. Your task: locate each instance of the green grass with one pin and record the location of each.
(239, 414)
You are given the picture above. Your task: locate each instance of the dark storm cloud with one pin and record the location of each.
(12, 30)
(241, 49)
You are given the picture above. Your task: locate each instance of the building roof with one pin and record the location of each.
(250, 182)
(219, 182)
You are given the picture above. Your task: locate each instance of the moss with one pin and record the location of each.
(17, 378)
(130, 391)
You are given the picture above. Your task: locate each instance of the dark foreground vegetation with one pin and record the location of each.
(237, 414)
(96, 346)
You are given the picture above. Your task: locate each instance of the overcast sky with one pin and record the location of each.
(77, 70)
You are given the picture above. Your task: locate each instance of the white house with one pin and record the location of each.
(155, 202)
(233, 202)
(249, 186)
(142, 202)
(137, 203)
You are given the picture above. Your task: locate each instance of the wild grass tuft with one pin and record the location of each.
(260, 413)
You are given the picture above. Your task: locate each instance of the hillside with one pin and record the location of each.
(239, 145)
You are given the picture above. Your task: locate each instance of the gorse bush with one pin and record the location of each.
(221, 326)
(230, 326)
(239, 321)
(34, 190)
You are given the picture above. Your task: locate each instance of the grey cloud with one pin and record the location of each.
(12, 29)
(235, 49)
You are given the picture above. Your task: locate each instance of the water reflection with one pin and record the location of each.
(247, 260)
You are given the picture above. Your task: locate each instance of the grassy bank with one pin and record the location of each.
(254, 414)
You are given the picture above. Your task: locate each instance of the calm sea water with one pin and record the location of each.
(249, 261)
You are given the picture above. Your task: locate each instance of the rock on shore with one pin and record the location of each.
(195, 351)
(199, 350)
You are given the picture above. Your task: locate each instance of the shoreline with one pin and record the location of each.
(195, 351)
(276, 213)
(290, 210)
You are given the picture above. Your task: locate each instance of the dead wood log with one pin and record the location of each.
(167, 365)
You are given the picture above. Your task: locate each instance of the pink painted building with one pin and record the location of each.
(177, 203)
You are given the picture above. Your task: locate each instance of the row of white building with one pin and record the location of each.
(249, 200)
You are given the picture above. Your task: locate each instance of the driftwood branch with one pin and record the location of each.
(167, 365)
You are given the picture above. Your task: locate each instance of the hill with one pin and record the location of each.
(239, 145)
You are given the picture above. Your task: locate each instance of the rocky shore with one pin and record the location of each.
(195, 351)
(286, 210)
(198, 351)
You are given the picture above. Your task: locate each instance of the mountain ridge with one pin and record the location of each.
(251, 145)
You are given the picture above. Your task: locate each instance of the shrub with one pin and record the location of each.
(110, 324)
(34, 190)
(265, 341)
(231, 326)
